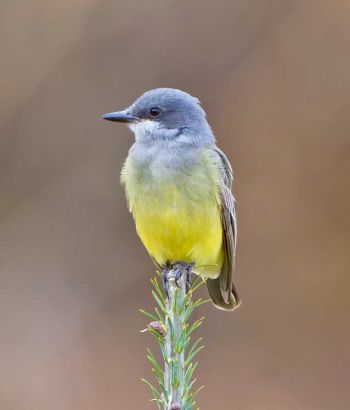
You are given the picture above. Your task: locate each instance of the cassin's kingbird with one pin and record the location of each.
(178, 186)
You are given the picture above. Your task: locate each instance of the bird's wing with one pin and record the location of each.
(222, 289)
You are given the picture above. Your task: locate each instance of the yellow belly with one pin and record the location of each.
(182, 234)
(178, 220)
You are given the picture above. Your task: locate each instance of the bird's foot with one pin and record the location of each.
(180, 268)
(164, 276)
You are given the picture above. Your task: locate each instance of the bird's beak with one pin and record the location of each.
(120, 116)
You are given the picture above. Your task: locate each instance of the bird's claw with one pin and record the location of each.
(178, 268)
(164, 276)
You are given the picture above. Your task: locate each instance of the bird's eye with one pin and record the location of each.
(154, 112)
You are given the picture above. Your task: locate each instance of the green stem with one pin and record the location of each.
(174, 372)
(172, 330)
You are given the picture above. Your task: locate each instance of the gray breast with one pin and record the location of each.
(163, 160)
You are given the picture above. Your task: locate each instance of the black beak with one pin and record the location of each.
(120, 116)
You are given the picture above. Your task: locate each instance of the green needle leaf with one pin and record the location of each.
(172, 330)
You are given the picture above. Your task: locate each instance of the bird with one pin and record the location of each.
(178, 188)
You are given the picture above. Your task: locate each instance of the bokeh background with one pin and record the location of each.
(274, 78)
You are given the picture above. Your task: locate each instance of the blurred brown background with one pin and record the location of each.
(274, 78)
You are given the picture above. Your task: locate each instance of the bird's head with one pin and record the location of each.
(165, 113)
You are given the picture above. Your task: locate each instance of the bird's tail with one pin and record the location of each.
(222, 299)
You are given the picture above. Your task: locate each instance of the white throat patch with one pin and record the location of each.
(149, 130)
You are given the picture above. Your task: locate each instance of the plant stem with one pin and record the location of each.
(175, 361)
(173, 332)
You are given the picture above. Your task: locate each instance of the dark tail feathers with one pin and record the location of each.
(220, 298)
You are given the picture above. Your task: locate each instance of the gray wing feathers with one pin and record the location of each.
(222, 289)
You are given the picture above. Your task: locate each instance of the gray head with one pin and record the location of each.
(166, 114)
